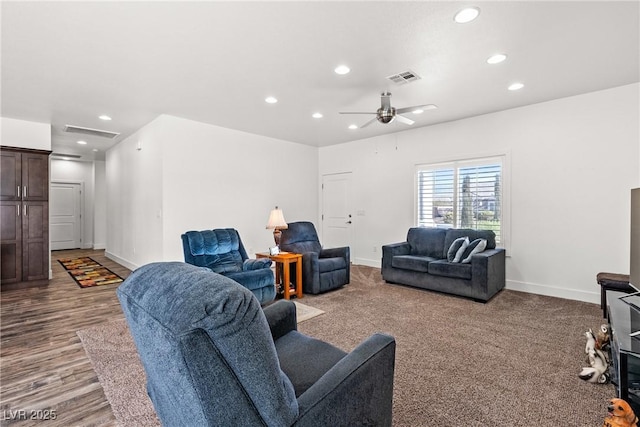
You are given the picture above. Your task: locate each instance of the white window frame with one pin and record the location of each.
(505, 157)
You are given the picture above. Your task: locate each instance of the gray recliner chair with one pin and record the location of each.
(213, 357)
(222, 251)
(322, 269)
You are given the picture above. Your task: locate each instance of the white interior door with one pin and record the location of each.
(337, 218)
(65, 216)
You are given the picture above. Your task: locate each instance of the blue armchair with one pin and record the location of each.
(322, 269)
(221, 250)
(213, 357)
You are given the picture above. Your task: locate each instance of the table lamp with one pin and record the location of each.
(276, 223)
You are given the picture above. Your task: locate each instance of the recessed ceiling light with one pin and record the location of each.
(95, 150)
(516, 86)
(466, 15)
(353, 127)
(270, 100)
(82, 142)
(497, 58)
(317, 115)
(104, 117)
(342, 70)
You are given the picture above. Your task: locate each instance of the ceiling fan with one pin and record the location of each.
(386, 113)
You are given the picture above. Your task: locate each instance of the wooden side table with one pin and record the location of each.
(283, 262)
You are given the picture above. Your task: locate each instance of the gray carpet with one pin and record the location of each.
(511, 362)
(113, 355)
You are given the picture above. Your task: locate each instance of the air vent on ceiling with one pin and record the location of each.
(404, 77)
(91, 132)
(69, 156)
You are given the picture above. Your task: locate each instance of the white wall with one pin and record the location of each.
(573, 162)
(134, 194)
(24, 134)
(193, 176)
(100, 206)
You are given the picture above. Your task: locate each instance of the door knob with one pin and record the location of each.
(348, 222)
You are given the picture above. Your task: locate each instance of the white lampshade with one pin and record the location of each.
(276, 220)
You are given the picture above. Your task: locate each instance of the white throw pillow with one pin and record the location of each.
(474, 247)
(457, 248)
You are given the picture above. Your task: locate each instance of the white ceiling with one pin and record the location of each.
(215, 62)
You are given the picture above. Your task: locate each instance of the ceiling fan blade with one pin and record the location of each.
(416, 107)
(403, 119)
(350, 112)
(369, 122)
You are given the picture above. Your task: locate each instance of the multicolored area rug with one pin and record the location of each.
(88, 272)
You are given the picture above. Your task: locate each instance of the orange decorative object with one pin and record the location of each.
(620, 414)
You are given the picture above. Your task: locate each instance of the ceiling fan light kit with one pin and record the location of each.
(387, 114)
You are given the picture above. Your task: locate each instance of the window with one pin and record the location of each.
(463, 194)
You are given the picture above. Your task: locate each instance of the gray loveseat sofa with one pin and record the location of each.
(422, 262)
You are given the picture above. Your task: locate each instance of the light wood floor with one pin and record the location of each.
(43, 365)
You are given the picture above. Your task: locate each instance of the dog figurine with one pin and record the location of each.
(597, 370)
(620, 415)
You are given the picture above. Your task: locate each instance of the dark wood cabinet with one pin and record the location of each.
(25, 175)
(35, 241)
(11, 246)
(11, 175)
(24, 212)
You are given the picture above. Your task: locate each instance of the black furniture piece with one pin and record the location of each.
(422, 261)
(213, 357)
(612, 282)
(322, 269)
(624, 320)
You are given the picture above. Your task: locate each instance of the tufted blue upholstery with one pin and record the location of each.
(213, 357)
(221, 250)
(322, 269)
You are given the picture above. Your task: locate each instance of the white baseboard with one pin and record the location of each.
(532, 288)
(552, 291)
(131, 266)
(99, 246)
(368, 262)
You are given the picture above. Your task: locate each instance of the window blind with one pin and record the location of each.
(461, 194)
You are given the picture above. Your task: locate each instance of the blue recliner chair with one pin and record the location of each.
(322, 269)
(221, 250)
(213, 357)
